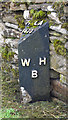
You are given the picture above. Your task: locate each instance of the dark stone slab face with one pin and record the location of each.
(34, 76)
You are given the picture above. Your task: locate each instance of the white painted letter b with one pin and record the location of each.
(34, 74)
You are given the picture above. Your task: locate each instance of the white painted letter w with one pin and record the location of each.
(25, 62)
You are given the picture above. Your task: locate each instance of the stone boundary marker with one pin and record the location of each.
(35, 1)
(34, 63)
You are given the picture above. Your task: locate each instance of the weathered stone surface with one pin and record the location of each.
(44, 6)
(11, 33)
(25, 97)
(67, 68)
(1, 39)
(0, 7)
(66, 9)
(53, 16)
(1, 43)
(49, 8)
(13, 26)
(54, 75)
(39, 6)
(57, 62)
(40, 1)
(63, 79)
(59, 29)
(53, 33)
(2, 27)
(52, 38)
(22, 7)
(15, 50)
(35, 6)
(10, 19)
(35, 46)
(13, 42)
(15, 8)
(66, 45)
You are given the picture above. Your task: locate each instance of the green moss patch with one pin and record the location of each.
(48, 12)
(17, 4)
(39, 15)
(51, 23)
(59, 6)
(7, 53)
(20, 20)
(65, 25)
(59, 47)
(7, 59)
(32, 11)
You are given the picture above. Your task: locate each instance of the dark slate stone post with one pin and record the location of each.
(34, 63)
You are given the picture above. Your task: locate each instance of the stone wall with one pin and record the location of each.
(34, 1)
(56, 15)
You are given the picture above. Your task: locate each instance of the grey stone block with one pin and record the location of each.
(54, 74)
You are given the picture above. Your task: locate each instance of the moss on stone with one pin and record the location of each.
(17, 4)
(59, 6)
(56, 34)
(65, 25)
(44, 21)
(32, 11)
(31, 23)
(15, 72)
(42, 14)
(20, 20)
(48, 12)
(50, 23)
(55, 5)
(5, 5)
(39, 15)
(36, 16)
(60, 15)
(7, 59)
(59, 47)
(7, 53)
(22, 24)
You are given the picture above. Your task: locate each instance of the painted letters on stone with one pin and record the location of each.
(34, 63)
(26, 62)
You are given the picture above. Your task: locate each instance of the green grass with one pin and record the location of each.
(9, 113)
(41, 109)
(12, 107)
